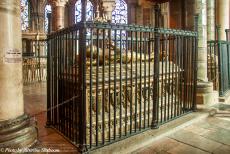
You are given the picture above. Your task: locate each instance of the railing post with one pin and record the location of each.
(155, 111)
(48, 121)
(82, 79)
(228, 52)
(218, 43)
(195, 61)
(228, 59)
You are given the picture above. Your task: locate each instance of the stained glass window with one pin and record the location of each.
(119, 14)
(89, 11)
(24, 14)
(48, 10)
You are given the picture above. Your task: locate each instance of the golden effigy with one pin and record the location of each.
(122, 80)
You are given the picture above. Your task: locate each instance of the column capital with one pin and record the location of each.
(59, 2)
(108, 7)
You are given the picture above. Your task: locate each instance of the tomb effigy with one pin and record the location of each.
(109, 81)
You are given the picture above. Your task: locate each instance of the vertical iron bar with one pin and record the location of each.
(136, 49)
(91, 86)
(103, 89)
(131, 74)
(156, 69)
(82, 79)
(195, 61)
(115, 84)
(140, 92)
(97, 84)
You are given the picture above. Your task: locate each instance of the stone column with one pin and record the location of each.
(16, 130)
(222, 12)
(205, 93)
(37, 16)
(72, 12)
(58, 14)
(132, 12)
(210, 20)
(201, 11)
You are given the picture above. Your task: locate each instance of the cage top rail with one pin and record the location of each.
(219, 41)
(125, 27)
(34, 40)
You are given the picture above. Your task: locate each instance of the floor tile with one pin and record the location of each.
(195, 140)
(186, 149)
(222, 150)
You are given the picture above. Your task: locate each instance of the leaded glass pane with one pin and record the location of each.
(47, 11)
(24, 14)
(89, 11)
(119, 14)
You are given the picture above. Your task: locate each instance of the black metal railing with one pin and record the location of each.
(218, 62)
(107, 82)
(212, 64)
(227, 34)
(34, 60)
(219, 65)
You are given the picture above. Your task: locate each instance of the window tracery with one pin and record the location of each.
(24, 14)
(48, 10)
(89, 11)
(119, 14)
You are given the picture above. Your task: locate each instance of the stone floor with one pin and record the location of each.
(211, 135)
(35, 105)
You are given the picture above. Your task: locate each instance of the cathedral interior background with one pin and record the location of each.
(103, 71)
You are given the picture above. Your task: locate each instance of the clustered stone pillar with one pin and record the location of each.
(222, 12)
(205, 93)
(16, 130)
(37, 16)
(210, 20)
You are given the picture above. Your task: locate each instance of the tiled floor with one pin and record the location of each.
(211, 135)
(35, 105)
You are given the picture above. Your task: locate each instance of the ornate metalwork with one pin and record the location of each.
(119, 14)
(109, 92)
(89, 11)
(24, 14)
(48, 10)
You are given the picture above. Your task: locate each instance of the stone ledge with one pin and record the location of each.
(207, 99)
